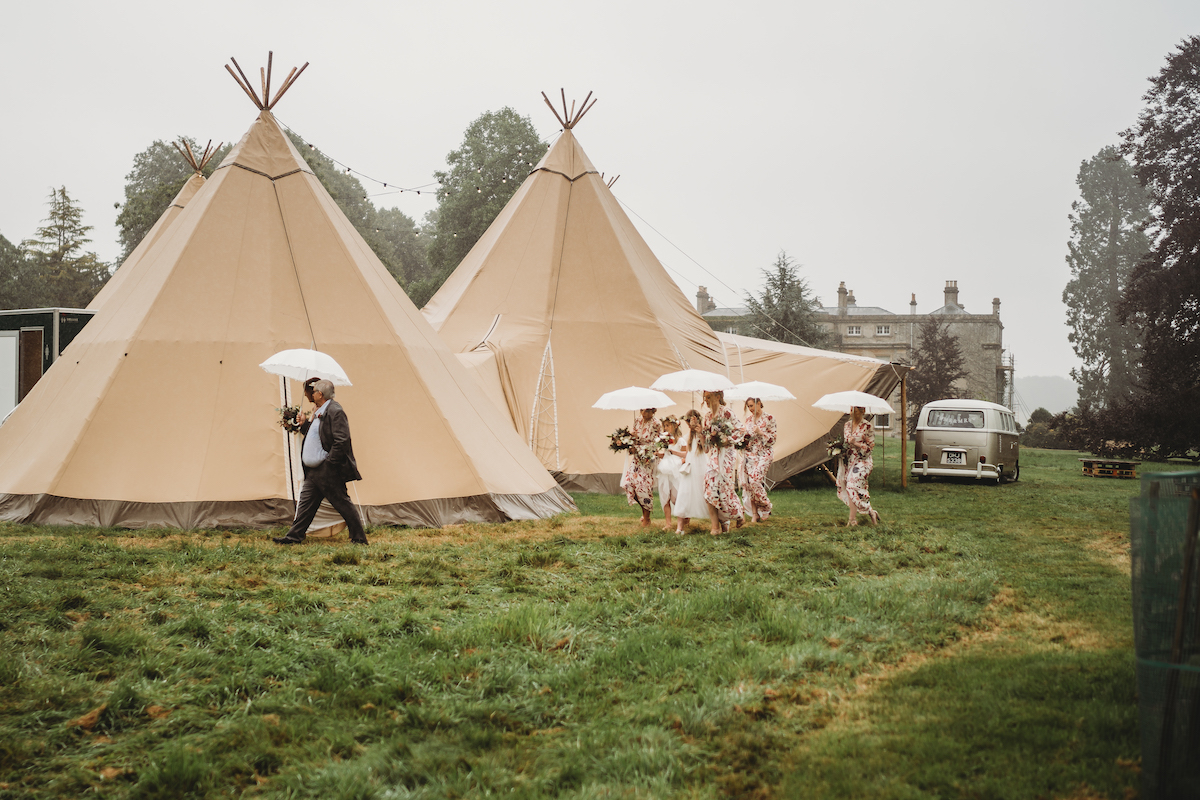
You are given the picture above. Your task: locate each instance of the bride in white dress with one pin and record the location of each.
(690, 501)
(669, 462)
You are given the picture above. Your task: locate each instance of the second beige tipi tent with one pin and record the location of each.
(159, 415)
(561, 300)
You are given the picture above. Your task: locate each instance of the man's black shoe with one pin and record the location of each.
(359, 541)
(286, 540)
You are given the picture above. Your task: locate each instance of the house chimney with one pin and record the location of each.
(842, 298)
(995, 306)
(850, 298)
(951, 293)
(704, 303)
(912, 304)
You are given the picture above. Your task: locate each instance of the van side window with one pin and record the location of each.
(951, 418)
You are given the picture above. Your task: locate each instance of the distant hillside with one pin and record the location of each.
(1051, 392)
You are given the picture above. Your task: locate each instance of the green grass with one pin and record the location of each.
(977, 644)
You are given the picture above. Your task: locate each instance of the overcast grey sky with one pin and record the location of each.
(892, 145)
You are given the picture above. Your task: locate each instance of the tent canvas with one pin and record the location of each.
(562, 300)
(159, 415)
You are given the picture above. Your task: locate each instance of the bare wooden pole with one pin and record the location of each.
(584, 111)
(613, 180)
(582, 107)
(282, 86)
(553, 111)
(572, 115)
(191, 155)
(185, 155)
(267, 85)
(564, 101)
(245, 88)
(288, 85)
(246, 80)
(904, 431)
(262, 83)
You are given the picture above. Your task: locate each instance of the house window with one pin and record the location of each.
(854, 330)
(883, 421)
(883, 330)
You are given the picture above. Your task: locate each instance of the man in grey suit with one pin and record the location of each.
(328, 458)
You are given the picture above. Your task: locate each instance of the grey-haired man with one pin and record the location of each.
(328, 458)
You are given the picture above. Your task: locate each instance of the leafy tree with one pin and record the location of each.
(497, 152)
(1043, 431)
(157, 176)
(786, 311)
(937, 365)
(69, 276)
(1107, 240)
(1162, 300)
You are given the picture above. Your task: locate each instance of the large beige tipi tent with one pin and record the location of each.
(561, 300)
(159, 415)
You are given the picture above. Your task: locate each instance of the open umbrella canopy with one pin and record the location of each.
(301, 365)
(760, 389)
(633, 398)
(844, 401)
(692, 380)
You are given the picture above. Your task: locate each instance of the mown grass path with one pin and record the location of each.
(976, 644)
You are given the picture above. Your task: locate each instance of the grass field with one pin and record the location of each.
(977, 644)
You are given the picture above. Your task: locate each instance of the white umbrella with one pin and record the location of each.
(301, 365)
(633, 398)
(844, 401)
(692, 380)
(759, 389)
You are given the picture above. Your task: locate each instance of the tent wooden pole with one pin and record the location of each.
(572, 115)
(185, 155)
(904, 431)
(245, 88)
(282, 86)
(191, 156)
(553, 111)
(267, 85)
(584, 111)
(246, 80)
(262, 82)
(288, 85)
(564, 101)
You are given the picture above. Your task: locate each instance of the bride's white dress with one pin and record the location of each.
(690, 502)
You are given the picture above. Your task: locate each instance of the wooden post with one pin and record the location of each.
(904, 431)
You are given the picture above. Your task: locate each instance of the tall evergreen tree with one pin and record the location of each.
(937, 364)
(786, 311)
(71, 277)
(1107, 240)
(1162, 300)
(19, 287)
(497, 152)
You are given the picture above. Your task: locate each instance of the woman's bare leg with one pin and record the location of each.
(714, 519)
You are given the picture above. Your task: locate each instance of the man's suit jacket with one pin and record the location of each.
(335, 440)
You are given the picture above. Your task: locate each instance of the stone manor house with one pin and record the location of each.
(878, 333)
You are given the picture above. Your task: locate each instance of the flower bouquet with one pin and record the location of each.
(289, 418)
(621, 439)
(651, 449)
(836, 449)
(721, 434)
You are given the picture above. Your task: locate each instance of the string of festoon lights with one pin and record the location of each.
(392, 187)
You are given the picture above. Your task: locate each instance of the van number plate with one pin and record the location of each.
(955, 457)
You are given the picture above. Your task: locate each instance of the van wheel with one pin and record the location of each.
(1016, 473)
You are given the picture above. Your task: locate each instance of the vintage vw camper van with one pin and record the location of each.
(967, 439)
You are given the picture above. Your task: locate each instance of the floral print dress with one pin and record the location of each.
(757, 458)
(719, 488)
(852, 483)
(638, 479)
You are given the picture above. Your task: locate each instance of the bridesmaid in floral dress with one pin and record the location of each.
(859, 436)
(719, 491)
(638, 479)
(756, 460)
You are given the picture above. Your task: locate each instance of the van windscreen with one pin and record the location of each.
(949, 418)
